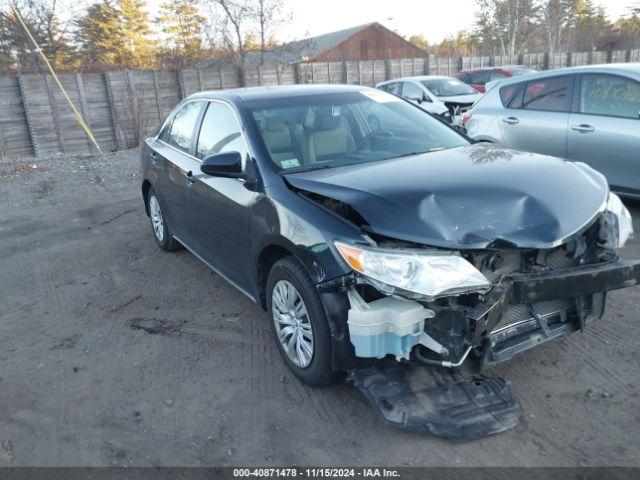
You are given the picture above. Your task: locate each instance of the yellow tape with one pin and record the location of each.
(79, 118)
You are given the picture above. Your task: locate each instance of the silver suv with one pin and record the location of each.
(590, 114)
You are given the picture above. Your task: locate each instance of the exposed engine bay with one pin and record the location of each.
(529, 297)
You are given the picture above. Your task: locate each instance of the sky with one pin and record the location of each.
(435, 19)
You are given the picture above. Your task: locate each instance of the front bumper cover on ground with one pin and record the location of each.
(439, 402)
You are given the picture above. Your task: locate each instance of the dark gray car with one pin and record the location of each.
(589, 114)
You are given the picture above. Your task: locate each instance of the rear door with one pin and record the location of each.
(604, 131)
(219, 209)
(537, 120)
(170, 158)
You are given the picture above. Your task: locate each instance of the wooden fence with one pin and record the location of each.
(121, 107)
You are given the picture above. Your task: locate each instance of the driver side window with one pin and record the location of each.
(220, 132)
(411, 91)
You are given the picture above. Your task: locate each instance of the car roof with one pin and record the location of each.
(495, 67)
(620, 68)
(276, 91)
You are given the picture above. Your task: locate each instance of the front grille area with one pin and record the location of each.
(521, 314)
(495, 265)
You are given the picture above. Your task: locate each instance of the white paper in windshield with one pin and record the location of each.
(379, 96)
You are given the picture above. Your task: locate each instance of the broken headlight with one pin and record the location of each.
(429, 274)
(617, 225)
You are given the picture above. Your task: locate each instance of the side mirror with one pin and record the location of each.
(414, 98)
(425, 98)
(227, 164)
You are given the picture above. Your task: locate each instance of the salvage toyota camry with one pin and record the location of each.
(378, 249)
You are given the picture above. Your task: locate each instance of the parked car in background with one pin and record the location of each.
(590, 114)
(437, 94)
(479, 77)
(373, 249)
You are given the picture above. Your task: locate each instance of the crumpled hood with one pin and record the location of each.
(461, 98)
(475, 196)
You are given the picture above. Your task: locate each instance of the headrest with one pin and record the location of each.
(275, 124)
(326, 122)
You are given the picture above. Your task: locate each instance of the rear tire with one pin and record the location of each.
(161, 231)
(299, 322)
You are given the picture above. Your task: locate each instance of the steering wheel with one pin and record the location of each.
(376, 133)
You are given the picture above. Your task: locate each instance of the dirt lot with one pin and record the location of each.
(113, 352)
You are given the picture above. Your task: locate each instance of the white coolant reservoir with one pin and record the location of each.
(386, 326)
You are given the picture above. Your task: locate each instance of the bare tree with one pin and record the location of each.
(232, 24)
(557, 17)
(269, 14)
(510, 23)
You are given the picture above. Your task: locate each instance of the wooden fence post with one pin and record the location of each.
(569, 59)
(296, 73)
(387, 69)
(55, 114)
(121, 142)
(84, 108)
(545, 62)
(610, 56)
(345, 72)
(27, 114)
(200, 82)
(157, 92)
(359, 72)
(427, 65)
(181, 91)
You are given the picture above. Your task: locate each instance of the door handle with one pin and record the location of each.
(154, 158)
(190, 178)
(511, 120)
(583, 128)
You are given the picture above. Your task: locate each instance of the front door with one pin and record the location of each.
(219, 209)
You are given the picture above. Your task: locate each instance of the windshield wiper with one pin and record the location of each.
(304, 169)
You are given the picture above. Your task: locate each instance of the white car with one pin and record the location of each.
(437, 94)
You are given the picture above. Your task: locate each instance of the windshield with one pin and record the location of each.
(330, 130)
(448, 87)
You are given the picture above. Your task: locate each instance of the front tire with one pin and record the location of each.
(299, 322)
(161, 232)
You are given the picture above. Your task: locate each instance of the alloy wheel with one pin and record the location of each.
(292, 323)
(156, 218)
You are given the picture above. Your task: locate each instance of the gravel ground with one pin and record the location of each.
(113, 352)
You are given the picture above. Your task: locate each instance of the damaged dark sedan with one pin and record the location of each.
(399, 252)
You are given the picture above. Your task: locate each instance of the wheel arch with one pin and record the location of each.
(146, 187)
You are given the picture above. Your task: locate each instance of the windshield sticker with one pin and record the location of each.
(335, 111)
(291, 163)
(379, 96)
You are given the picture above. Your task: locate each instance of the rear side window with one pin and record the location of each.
(507, 94)
(392, 88)
(478, 78)
(219, 132)
(496, 76)
(548, 94)
(610, 95)
(179, 133)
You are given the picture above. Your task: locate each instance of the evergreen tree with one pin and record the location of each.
(100, 34)
(139, 48)
(182, 22)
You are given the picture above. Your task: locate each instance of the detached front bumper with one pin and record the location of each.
(578, 295)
